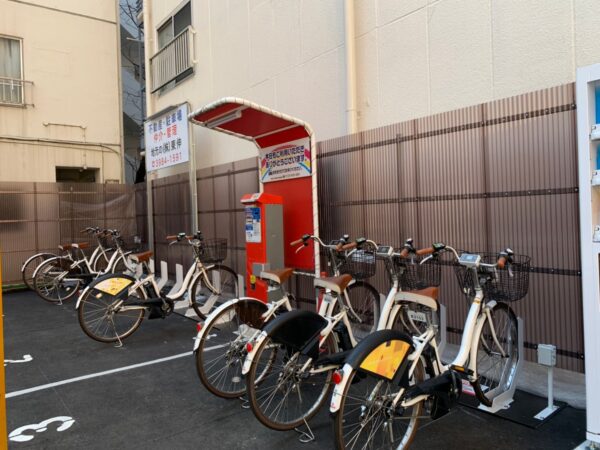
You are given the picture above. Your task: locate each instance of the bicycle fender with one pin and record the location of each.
(35, 256)
(296, 328)
(382, 354)
(253, 307)
(112, 284)
(293, 328)
(81, 295)
(35, 272)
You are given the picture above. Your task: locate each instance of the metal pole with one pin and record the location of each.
(550, 387)
(192, 173)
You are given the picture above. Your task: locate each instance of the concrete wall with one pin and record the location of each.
(70, 53)
(414, 57)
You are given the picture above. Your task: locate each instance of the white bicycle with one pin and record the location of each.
(224, 338)
(290, 369)
(382, 391)
(113, 306)
(59, 278)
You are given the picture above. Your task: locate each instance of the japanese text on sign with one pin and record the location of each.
(167, 141)
(285, 161)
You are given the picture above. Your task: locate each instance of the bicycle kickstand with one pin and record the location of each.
(120, 343)
(305, 436)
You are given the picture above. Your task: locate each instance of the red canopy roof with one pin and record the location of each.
(250, 121)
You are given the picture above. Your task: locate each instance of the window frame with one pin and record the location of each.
(23, 103)
(170, 19)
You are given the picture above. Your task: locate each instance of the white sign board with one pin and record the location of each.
(285, 161)
(167, 140)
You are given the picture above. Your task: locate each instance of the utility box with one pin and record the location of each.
(264, 241)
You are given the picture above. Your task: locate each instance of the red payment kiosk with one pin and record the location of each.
(286, 206)
(264, 240)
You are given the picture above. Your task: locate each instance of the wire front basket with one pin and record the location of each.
(415, 276)
(361, 264)
(510, 284)
(213, 250)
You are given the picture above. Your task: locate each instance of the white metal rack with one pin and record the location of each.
(588, 90)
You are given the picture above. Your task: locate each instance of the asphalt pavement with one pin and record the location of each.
(66, 391)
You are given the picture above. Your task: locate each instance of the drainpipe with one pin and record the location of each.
(120, 96)
(351, 111)
(149, 49)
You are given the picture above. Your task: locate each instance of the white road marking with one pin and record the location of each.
(19, 435)
(26, 358)
(101, 374)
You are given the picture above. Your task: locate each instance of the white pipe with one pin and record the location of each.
(351, 111)
(148, 50)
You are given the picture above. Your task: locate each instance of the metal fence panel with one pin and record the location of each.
(481, 178)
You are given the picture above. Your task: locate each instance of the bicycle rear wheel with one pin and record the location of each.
(55, 280)
(364, 300)
(30, 266)
(497, 353)
(281, 395)
(102, 317)
(365, 418)
(222, 351)
(204, 300)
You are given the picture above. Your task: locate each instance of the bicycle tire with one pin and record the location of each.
(46, 281)
(201, 293)
(87, 303)
(226, 332)
(100, 263)
(256, 390)
(495, 373)
(31, 264)
(365, 301)
(353, 404)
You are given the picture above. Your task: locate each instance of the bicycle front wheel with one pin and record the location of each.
(104, 317)
(364, 300)
(55, 280)
(283, 394)
(497, 353)
(366, 418)
(222, 351)
(101, 262)
(204, 299)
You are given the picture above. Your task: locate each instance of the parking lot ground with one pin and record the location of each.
(147, 395)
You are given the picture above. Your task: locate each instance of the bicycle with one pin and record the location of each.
(112, 307)
(28, 267)
(299, 350)
(59, 278)
(379, 404)
(230, 328)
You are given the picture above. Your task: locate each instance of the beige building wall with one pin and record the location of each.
(414, 57)
(71, 55)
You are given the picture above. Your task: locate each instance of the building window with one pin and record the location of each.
(11, 71)
(76, 175)
(172, 62)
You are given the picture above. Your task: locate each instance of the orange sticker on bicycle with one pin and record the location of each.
(386, 358)
(113, 286)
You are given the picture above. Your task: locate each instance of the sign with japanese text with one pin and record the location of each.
(167, 141)
(285, 161)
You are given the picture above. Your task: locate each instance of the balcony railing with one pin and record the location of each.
(12, 91)
(172, 60)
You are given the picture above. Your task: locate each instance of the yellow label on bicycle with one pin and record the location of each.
(386, 358)
(113, 286)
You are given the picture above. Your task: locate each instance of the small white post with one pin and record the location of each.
(547, 357)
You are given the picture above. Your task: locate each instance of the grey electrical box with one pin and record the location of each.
(546, 354)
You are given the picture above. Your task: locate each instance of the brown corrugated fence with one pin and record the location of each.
(502, 174)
